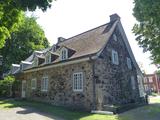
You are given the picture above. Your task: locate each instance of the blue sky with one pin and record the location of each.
(67, 18)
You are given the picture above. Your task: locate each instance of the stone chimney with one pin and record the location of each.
(114, 17)
(61, 39)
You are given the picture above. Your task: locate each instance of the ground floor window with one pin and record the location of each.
(133, 83)
(78, 81)
(44, 84)
(33, 83)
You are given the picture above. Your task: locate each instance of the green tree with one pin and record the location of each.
(147, 30)
(6, 86)
(28, 37)
(10, 14)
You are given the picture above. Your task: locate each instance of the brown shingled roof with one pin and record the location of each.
(91, 41)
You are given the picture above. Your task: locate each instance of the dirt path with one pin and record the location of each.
(19, 113)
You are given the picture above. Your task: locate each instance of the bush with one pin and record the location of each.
(6, 86)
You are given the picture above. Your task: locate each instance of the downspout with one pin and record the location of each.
(94, 83)
(157, 85)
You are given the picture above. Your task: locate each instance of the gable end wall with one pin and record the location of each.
(113, 82)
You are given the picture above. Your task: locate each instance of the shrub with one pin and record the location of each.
(6, 86)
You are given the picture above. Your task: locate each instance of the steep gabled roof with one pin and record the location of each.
(89, 42)
(86, 43)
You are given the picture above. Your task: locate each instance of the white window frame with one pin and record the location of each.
(78, 79)
(115, 37)
(150, 79)
(54, 48)
(44, 84)
(48, 58)
(64, 54)
(35, 62)
(34, 85)
(129, 63)
(115, 59)
(133, 82)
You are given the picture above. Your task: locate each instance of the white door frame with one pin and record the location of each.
(23, 93)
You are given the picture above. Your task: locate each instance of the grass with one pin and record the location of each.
(54, 110)
(154, 94)
(148, 112)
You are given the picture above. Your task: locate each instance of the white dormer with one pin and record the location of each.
(48, 58)
(14, 68)
(64, 53)
(24, 65)
(35, 62)
(54, 48)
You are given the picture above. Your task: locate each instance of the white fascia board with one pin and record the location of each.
(59, 64)
(26, 62)
(15, 65)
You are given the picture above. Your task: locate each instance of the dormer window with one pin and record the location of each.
(48, 58)
(64, 54)
(114, 37)
(54, 48)
(24, 65)
(35, 62)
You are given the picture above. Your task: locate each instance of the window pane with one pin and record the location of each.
(77, 82)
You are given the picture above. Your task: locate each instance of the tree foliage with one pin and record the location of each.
(28, 37)
(6, 86)
(10, 14)
(147, 30)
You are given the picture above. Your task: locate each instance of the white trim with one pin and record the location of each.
(23, 92)
(115, 59)
(62, 55)
(15, 65)
(133, 82)
(44, 81)
(25, 62)
(129, 63)
(48, 55)
(54, 48)
(35, 62)
(78, 82)
(58, 64)
(34, 87)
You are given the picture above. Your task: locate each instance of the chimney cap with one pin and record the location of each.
(114, 17)
(61, 39)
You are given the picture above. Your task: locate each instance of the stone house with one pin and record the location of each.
(87, 71)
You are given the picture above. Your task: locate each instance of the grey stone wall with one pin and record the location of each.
(113, 82)
(60, 86)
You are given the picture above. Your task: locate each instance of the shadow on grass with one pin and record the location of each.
(148, 112)
(43, 109)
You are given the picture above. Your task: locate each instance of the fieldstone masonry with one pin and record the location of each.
(114, 81)
(60, 86)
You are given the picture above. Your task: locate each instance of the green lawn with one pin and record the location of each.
(148, 112)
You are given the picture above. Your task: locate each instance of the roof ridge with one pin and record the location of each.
(84, 32)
